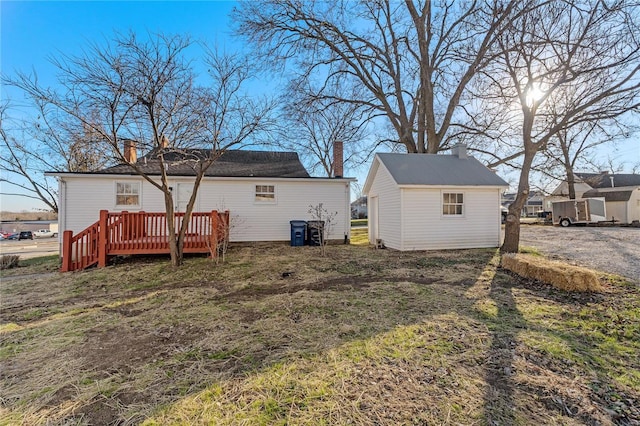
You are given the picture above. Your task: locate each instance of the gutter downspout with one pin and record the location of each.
(500, 217)
(62, 211)
(347, 223)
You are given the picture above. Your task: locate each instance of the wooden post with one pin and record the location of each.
(102, 238)
(66, 251)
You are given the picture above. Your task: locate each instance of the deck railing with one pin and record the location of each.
(122, 233)
(81, 250)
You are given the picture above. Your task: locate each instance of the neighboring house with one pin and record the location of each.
(431, 202)
(262, 190)
(532, 207)
(620, 191)
(534, 204)
(359, 208)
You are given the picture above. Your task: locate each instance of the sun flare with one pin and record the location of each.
(534, 94)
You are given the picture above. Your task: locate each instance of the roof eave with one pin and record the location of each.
(130, 175)
(423, 185)
(372, 172)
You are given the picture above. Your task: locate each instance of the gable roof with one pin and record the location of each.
(232, 163)
(436, 169)
(608, 195)
(603, 180)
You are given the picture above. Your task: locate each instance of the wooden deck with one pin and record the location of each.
(131, 233)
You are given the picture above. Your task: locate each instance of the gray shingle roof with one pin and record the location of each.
(436, 169)
(608, 195)
(603, 180)
(233, 163)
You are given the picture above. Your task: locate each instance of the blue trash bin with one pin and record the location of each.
(298, 232)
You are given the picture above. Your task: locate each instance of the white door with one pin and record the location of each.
(373, 219)
(183, 194)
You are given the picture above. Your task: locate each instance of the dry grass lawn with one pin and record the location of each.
(278, 335)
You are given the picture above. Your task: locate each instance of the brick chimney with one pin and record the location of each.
(338, 159)
(130, 154)
(164, 141)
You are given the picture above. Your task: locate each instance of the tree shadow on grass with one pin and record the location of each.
(563, 352)
(499, 398)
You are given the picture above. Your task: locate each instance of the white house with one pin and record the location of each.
(262, 190)
(432, 202)
(359, 208)
(621, 193)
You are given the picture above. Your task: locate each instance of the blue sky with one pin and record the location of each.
(34, 31)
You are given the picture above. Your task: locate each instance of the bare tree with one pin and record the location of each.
(572, 147)
(310, 126)
(408, 62)
(321, 226)
(33, 146)
(145, 90)
(562, 65)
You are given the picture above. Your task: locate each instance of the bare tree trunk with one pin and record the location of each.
(571, 179)
(564, 143)
(409, 142)
(571, 182)
(512, 224)
(175, 249)
(184, 226)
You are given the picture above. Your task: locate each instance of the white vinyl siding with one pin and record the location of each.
(389, 208)
(617, 210)
(182, 194)
(634, 206)
(251, 221)
(426, 228)
(84, 197)
(625, 211)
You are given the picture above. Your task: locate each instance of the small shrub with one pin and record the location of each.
(558, 274)
(321, 215)
(9, 261)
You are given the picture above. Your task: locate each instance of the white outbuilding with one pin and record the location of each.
(433, 202)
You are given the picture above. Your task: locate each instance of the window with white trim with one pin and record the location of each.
(127, 194)
(452, 203)
(265, 194)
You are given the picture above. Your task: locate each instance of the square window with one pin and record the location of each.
(127, 194)
(452, 203)
(265, 194)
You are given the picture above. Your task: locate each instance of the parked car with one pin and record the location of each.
(45, 233)
(25, 235)
(13, 236)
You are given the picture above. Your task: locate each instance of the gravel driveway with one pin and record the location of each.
(615, 250)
